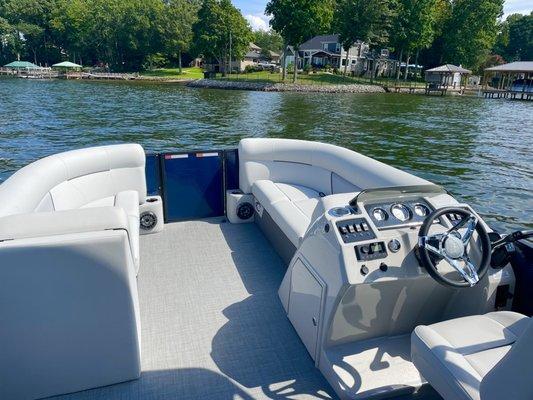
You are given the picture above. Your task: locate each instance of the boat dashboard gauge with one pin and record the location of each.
(401, 212)
(394, 214)
(340, 211)
(421, 210)
(379, 214)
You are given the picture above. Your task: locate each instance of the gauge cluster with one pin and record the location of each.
(393, 214)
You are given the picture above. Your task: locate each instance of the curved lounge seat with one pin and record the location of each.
(69, 251)
(288, 178)
(107, 176)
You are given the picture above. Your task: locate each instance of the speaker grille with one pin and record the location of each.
(148, 221)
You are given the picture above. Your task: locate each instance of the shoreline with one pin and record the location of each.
(283, 87)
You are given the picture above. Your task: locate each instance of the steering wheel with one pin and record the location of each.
(452, 247)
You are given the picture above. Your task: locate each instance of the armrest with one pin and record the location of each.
(22, 226)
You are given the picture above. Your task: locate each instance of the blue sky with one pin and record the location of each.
(253, 10)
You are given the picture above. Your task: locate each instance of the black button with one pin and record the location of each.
(364, 270)
(383, 267)
(365, 249)
(364, 225)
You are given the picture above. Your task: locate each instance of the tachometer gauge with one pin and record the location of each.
(401, 212)
(379, 214)
(421, 210)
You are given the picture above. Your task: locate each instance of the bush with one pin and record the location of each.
(154, 61)
(307, 69)
(290, 68)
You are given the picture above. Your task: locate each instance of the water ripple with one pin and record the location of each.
(478, 149)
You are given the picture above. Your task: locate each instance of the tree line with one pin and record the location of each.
(136, 34)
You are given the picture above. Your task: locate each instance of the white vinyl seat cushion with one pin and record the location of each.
(129, 201)
(456, 355)
(290, 206)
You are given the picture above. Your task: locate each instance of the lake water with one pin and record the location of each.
(480, 150)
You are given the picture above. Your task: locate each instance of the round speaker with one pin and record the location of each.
(148, 221)
(245, 211)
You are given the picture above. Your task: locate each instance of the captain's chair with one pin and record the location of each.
(481, 357)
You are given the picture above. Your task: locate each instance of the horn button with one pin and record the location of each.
(454, 247)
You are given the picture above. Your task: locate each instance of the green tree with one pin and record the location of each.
(470, 32)
(121, 33)
(413, 28)
(515, 39)
(220, 30)
(268, 40)
(176, 27)
(32, 21)
(299, 20)
(365, 20)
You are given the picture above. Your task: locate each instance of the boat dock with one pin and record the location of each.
(46, 73)
(507, 94)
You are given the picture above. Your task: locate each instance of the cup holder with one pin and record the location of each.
(237, 192)
(152, 200)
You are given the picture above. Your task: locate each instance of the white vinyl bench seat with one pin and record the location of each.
(69, 245)
(289, 178)
(290, 206)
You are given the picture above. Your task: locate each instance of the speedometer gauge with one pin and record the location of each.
(401, 212)
(379, 214)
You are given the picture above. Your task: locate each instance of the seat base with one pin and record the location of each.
(277, 238)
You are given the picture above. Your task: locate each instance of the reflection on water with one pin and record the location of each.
(478, 149)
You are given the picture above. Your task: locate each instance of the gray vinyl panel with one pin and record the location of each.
(212, 324)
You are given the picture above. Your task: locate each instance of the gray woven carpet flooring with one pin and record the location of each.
(212, 324)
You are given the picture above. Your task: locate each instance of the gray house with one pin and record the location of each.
(326, 50)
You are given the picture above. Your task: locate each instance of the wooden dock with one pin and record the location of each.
(507, 94)
(52, 74)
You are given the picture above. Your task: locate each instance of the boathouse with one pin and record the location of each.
(516, 77)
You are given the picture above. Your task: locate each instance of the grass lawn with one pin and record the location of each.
(173, 73)
(316, 79)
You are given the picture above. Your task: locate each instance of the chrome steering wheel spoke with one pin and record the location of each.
(467, 271)
(470, 228)
(471, 223)
(453, 246)
(425, 241)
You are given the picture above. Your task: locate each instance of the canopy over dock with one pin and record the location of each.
(516, 67)
(66, 64)
(512, 78)
(449, 69)
(22, 65)
(444, 77)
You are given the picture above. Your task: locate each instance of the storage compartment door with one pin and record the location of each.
(305, 305)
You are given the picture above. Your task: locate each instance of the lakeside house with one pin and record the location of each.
(253, 58)
(326, 51)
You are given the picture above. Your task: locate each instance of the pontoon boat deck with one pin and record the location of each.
(283, 269)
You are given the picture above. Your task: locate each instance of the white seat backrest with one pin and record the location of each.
(72, 179)
(511, 377)
(323, 167)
